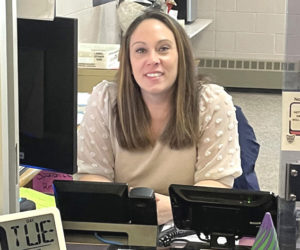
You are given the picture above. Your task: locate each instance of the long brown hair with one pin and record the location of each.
(133, 118)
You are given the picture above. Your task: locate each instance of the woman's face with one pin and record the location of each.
(154, 58)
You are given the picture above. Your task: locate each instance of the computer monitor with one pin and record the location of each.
(47, 71)
(87, 201)
(219, 211)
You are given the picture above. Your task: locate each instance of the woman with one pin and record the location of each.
(157, 126)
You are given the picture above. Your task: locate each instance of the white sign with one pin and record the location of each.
(290, 121)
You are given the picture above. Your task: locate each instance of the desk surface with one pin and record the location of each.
(27, 175)
(106, 247)
(190, 246)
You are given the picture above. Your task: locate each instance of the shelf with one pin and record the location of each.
(195, 27)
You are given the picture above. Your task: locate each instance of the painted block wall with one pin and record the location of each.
(293, 31)
(243, 29)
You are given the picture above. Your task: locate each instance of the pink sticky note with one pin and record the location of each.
(42, 182)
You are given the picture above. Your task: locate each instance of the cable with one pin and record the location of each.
(179, 240)
(107, 241)
(168, 235)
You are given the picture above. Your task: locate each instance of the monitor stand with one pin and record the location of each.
(214, 244)
(137, 235)
(200, 246)
(230, 241)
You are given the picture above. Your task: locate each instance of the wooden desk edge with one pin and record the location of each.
(27, 176)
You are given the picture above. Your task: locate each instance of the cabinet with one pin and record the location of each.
(88, 78)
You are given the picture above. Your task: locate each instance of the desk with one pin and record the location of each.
(88, 78)
(109, 247)
(126, 234)
(189, 246)
(27, 176)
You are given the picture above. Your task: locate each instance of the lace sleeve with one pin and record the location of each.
(95, 150)
(218, 150)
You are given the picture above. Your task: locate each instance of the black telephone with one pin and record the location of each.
(142, 202)
(166, 237)
(142, 206)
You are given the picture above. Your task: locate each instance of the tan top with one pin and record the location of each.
(215, 157)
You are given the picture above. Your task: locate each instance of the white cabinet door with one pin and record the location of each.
(36, 9)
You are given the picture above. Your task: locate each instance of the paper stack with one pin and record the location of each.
(101, 56)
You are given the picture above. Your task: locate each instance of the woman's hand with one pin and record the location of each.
(93, 177)
(211, 183)
(164, 210)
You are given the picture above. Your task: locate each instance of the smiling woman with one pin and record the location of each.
(157, 125)
(154, 60)
(164, 46)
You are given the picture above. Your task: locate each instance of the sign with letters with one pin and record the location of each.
(290, 140)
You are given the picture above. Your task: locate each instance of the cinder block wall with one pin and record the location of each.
(293, 31)
(256, 29)
(264, 34)
(242, 29)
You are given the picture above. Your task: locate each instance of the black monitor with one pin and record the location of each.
(87, 201)
(47, 71)
(219, 212)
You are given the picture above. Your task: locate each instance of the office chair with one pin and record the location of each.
(249, 153)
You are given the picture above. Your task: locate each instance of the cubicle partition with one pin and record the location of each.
(289, 175)
(8, 109)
